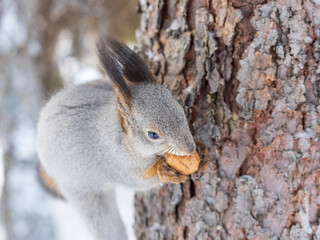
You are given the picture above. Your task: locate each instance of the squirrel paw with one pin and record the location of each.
(204, 162)
(169, 174)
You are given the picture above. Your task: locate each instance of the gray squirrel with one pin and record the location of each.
(96, 136)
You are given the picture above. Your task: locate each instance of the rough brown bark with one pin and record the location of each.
(248, 73)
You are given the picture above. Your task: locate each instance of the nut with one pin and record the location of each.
(184, 164)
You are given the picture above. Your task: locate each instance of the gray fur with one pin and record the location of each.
(83, 147)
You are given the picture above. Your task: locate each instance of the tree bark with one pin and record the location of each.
(248, 74)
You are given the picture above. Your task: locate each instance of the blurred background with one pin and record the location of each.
(45, 45)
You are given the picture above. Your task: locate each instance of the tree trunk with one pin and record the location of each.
(248, 75)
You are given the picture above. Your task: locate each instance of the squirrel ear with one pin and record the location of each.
(134, 69)
(113, 69)
(124, 116)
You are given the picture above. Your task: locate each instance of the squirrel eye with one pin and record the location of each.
(153, 135)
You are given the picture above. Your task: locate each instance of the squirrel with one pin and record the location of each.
(95, 136)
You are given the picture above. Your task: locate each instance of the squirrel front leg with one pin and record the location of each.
(204, 162)
(164, 172)
(169, 174)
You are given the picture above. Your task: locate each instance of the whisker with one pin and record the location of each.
(167, 150)
(172, 151)
(175, 151)
(192, 129)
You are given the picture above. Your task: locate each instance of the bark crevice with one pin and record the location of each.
(250, 73)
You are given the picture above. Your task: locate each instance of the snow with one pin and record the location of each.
(13, 31)
(24, 138)
(125, 201)
(68, 223)
(64, 45)
(143, 2)
(28, 204)
(3, 235)
(73, 70)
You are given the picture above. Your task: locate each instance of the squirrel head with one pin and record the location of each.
(152, 120)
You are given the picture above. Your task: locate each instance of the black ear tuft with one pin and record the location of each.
(113, 69)
(134, 69)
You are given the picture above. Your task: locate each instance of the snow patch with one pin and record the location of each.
(125, 202)
(68, 223)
